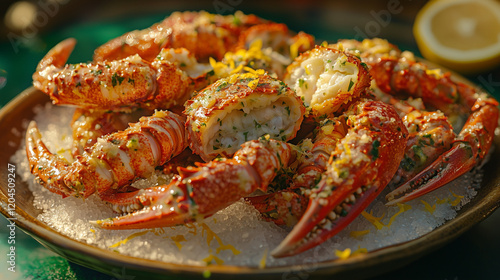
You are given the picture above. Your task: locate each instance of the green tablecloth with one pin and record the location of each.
(33, 261)
(17, 63)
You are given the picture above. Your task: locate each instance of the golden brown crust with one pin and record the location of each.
(204, 34)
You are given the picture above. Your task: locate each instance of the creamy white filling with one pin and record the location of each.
(183, 59)
(322, 76)
(231, 128)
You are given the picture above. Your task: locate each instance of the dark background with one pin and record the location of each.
(474, 255)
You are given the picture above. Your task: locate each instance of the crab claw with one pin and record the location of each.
(58, 55)
(325, 217)
(468, 150)
(449, 166)
(199, 192)
(159, 206)
(362, 164)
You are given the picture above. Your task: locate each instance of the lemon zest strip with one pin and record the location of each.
(360, 251)
(441, 201)
(158, 231)
(262, 263)
(294, 48)
(208, 260)
(132, 236)
(358, 233)
(212, 235)
(457, 200)
(193, 229)
(428, 207)
(374, 220)
(402, 208)
(93, 231)
(343, 254)
(178, 239)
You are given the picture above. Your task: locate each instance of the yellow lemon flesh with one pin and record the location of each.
(463, 35)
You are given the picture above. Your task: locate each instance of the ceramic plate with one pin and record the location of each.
(19, 110)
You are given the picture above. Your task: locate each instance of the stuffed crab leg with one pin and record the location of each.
(113, 162)
(199, 192)
(240, 108)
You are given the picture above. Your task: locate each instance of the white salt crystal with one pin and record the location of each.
(238, 225)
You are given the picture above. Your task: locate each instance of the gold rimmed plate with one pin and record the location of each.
(19, 111)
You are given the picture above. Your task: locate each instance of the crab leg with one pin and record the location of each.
(399, 73)
(362, 164)
(278, 37)
(119, 85)
(239, 108)
(90, 125)
(113, 162)
(468, 150)
(430, 135)
(201, 191)
(204, 34)
(287, 206)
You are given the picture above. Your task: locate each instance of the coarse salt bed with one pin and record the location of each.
(235, 235)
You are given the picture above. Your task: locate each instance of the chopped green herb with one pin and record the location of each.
(407, 163)
(115, 79)
(419, 154)
(429, 136)
(96, 72)
(221, 86)
(351, 83)
(236, 21)
(343, 213)
(375, 152)
(282, 88)
(343, 174)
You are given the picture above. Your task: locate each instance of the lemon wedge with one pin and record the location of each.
(463, 35)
